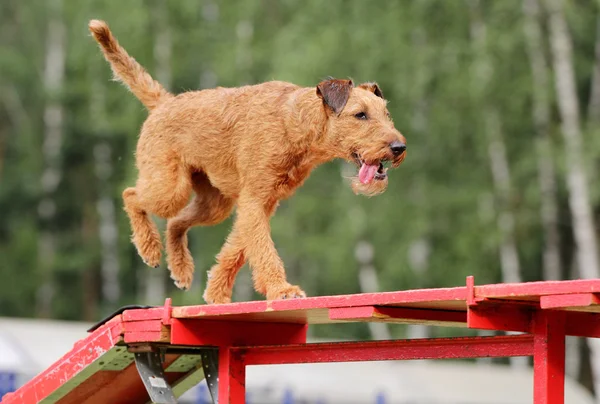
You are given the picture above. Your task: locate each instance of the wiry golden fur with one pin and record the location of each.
(247, 147)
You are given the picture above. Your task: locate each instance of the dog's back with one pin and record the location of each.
(219, 131)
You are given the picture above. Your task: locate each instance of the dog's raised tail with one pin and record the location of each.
(126, 69)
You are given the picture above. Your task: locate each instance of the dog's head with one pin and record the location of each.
(360, 129)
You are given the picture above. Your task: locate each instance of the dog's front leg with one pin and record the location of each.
(251, 239)
(267, 267)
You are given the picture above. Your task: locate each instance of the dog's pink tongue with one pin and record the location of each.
(367, 172)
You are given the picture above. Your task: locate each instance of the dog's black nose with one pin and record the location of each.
(397, 147)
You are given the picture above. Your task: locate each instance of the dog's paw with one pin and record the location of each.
(287, 292)
(210, 298)
(150, 264)
(150, 256)
(184, 281)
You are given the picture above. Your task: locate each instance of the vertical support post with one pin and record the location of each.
(549, 357)
(232, 377)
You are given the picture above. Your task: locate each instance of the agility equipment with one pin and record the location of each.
(155, 354)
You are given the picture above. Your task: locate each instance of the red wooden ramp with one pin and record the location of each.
(162, 352)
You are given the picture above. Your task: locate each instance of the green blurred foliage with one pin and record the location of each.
(420, 52)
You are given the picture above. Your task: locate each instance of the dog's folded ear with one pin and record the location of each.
(335, 93)
(372, 87)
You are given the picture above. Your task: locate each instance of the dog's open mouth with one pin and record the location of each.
(367, 172)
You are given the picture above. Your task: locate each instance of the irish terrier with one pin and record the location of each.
(248, 147)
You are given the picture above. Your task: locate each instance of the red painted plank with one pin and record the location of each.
(399, 315)
(549, 358)
(138, 326)
(536, 289)
(353, 313)
(365, 299)
(167, 310)
(470, 290)
(440, 348)
(236, 333)
(146, 336)
(582, 324)
(527, 290)
(220, 309)
(498, 316)
(576, 300)
(83, 354)
(155, 313)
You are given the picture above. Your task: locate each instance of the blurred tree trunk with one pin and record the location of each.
(244, 58)
(53, 80)
(593, 110)
(369, 283)
(574, 355)
(541, 118)
(418, 257)
(155, 290)
(4, 133)
(89, 278)
(579, 199)
(546, 171)
(593, 113)
(210, 19)
(18, 116)
(420, 249)
(105, 206)
(483, 73)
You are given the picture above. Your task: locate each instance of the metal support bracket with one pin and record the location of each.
(149, 366)
(210, 365)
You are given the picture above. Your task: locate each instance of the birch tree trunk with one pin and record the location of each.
(505, 219)
(483, 72)
(418, 257)
(579, 200)
(3, 140)
(574, 356)
(89, 279)
(541, 118)
(210, 18)
(593, 113)
(105, 206)
(16, 114)
(156, 279)
(577, 182)
(369, 283)
(420, 249)
(244, 58)
(53, 80)
(546, 172)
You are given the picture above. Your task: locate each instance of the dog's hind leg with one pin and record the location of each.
(209, 207)
(163, 190)
(145, 235)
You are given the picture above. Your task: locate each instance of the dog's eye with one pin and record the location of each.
(361, 115)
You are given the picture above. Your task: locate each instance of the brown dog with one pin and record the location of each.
(247, 147)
